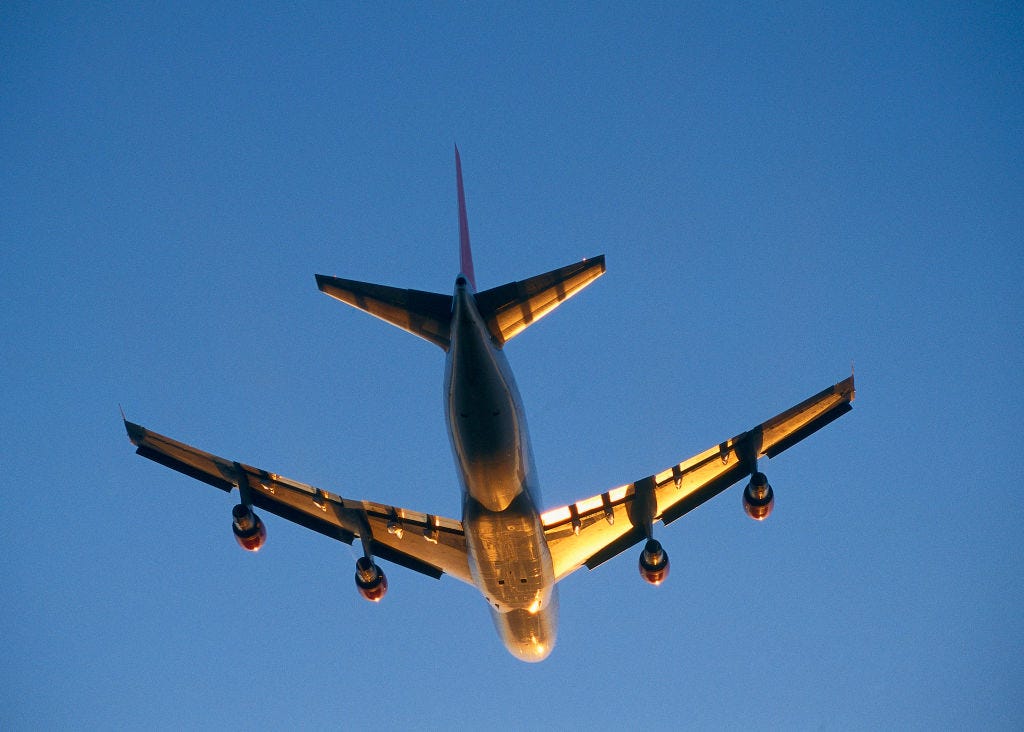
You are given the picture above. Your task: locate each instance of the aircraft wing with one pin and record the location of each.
(594, 530)
(428, 544)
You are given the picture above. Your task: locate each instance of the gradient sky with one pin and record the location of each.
(779, 193)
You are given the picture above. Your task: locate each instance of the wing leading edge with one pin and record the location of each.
(423, 542)
(594, 530)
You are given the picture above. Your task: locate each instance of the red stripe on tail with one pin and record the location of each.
(465, 253)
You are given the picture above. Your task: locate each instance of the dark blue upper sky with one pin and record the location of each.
(778, 191)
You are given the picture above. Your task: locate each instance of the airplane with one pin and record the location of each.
(504, 545)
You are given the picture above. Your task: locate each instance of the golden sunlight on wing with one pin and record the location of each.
(429, 544)
(595, 529)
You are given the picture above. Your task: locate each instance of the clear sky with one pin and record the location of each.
(779, 193)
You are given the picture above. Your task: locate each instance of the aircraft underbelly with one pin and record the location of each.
(487, 444)
(485, 423)
(508, 555)
(511, 564)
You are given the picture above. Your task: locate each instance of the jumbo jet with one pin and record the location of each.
(505, 546)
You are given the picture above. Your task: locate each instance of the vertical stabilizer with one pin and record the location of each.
(465, 253)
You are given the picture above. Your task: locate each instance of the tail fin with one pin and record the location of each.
(512, 308)
(508, 310)
(465, 253)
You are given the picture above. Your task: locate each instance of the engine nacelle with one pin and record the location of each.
(371, 581)
(758, 498)
(250, 533)
(653, 563)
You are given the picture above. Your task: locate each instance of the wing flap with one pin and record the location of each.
(582, 533)
(428, 544)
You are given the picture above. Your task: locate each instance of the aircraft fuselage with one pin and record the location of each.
(508, 556)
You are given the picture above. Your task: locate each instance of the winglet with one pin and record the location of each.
(135, 433)
(465, 253)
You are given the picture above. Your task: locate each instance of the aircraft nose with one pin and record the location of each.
(534, 652)
(528, 636)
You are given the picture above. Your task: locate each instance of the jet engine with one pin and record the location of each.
(250, 533)
(370, 580)
(653, 563)
(758, 498)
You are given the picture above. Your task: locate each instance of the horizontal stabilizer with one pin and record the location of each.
(426, 314)
(510, 309)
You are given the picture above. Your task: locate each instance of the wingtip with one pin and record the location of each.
(135, 432)
(848, 386)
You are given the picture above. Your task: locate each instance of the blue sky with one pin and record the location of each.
(779, 191)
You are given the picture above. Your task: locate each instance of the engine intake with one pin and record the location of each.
(371, 581)
(250, 533)
(758, 497)
(653, 563)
